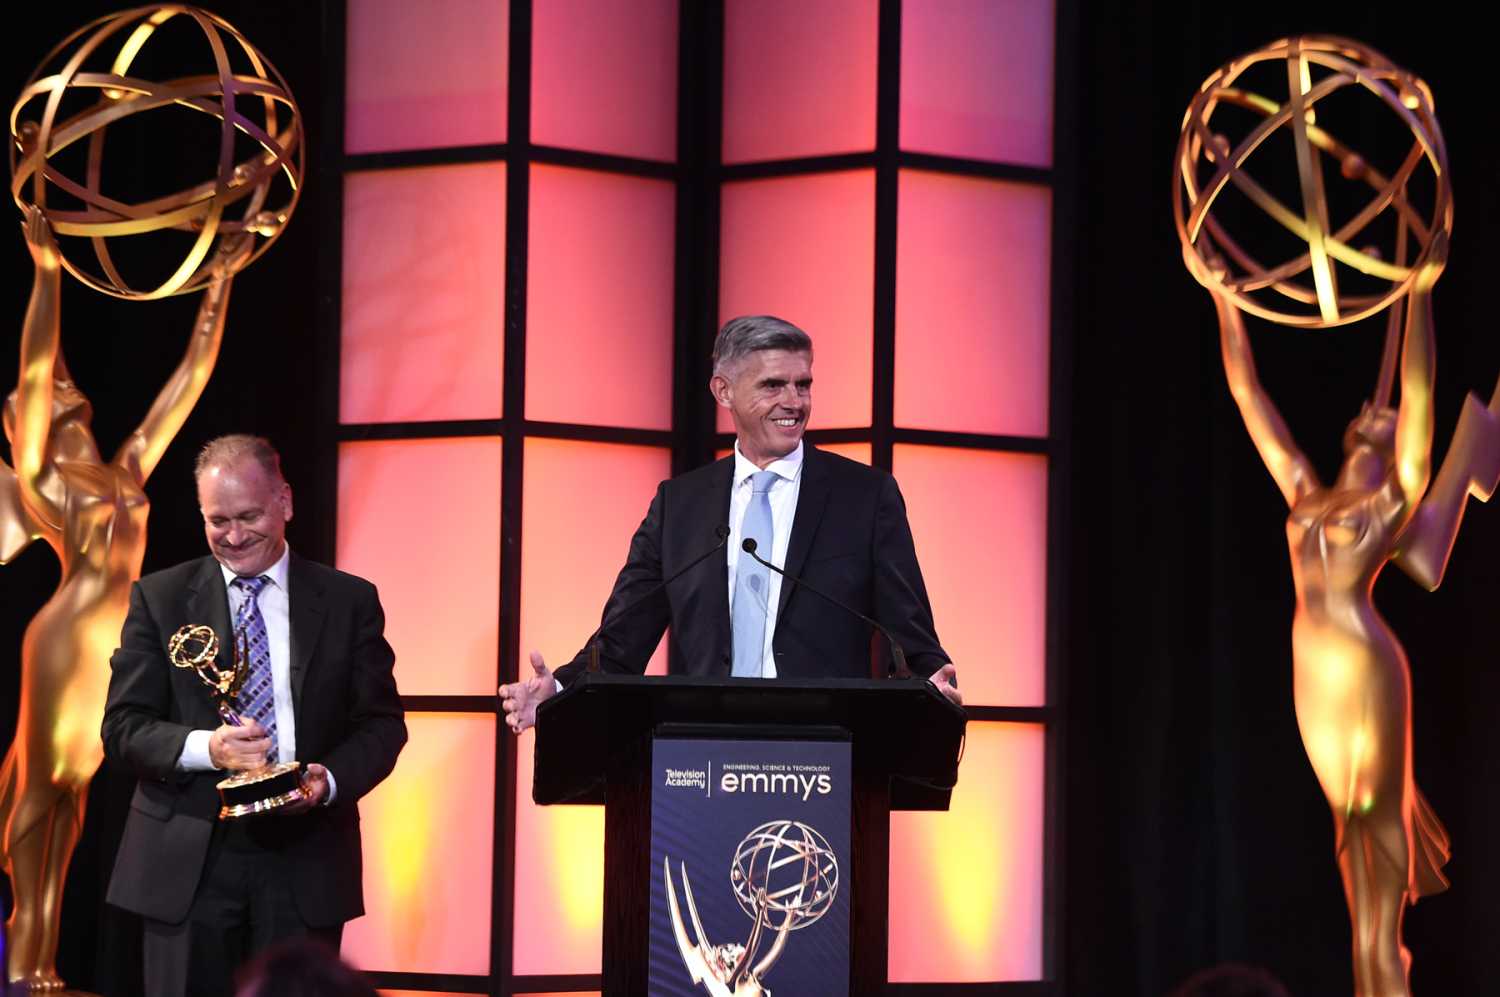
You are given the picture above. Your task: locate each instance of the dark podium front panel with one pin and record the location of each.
(595, 742)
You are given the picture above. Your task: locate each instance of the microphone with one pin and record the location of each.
(898, 654)
(721, 532)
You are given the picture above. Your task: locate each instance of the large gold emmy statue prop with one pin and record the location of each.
(93, 512)
(1351, 682)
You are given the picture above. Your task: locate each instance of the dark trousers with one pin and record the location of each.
(244, 904)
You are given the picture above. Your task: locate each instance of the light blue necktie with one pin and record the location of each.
(752, 581)
(257, 698)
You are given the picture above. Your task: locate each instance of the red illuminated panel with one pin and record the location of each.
(966, 885)
(421, 519)
(799, 78)
(559, 880)
(803, 249)
(582, 503)
(604, 76)
(428, 841)
(980, 524)
(972, 289)
(854, 451)
(976, 79)
(423, 301)
(599, 299)
(419, 75)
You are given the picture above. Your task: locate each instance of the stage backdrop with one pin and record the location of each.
(547, 209)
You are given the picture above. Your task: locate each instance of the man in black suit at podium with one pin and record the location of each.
(838, 525)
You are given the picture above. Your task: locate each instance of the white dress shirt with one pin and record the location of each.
(275, 609)
(783, 498)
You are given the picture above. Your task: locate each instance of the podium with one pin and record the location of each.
(594, 745)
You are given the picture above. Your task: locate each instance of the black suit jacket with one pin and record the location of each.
(348, 717)
(850, 538)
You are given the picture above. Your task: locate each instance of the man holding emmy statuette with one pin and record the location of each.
(725, 551)
(252, 694)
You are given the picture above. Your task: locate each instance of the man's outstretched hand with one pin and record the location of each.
(520, 699)
(945, 680)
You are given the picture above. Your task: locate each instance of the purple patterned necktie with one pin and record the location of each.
(257, 699)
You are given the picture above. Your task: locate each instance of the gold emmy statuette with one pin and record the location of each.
(1349, 220)
(92, 510)
(256, 791)
(785, 877)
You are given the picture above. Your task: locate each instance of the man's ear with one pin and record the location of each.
(286, 501)
(719, 387)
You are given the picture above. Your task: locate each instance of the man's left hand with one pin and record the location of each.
(314, 790)
(945, 680)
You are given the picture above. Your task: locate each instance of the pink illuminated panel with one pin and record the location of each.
(972, 290)
(604, 76)
(421, 519)
(420, 75)
(854, 451)
(599, 299)
(799, 78)
(559, 880)
(803, 249)
(976, 79)
(423, 294)
(427, 847)
(980, 524)
(582, 503)
(966, 885)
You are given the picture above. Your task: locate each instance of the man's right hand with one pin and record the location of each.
(520, 699)
(239, 749)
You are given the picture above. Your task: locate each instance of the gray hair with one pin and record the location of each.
(226, 450)
(751, 333)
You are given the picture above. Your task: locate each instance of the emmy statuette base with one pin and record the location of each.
(260, 791)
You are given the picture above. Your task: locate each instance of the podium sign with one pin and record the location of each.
(750, 853)
(597, 742)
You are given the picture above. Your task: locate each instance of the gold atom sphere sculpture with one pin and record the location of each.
(233, 201)
(1208, 163)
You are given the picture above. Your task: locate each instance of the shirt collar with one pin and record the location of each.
(787, 467)
(276, 572)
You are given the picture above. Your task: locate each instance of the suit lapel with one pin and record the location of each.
(711, 513)
(306, 598)
(812, 499)
(208, 603)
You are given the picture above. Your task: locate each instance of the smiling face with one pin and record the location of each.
(245, 512)
(769, 396)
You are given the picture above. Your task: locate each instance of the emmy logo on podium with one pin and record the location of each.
(785, 877)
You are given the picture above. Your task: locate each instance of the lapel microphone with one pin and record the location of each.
(898, 654)
(721, 531)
